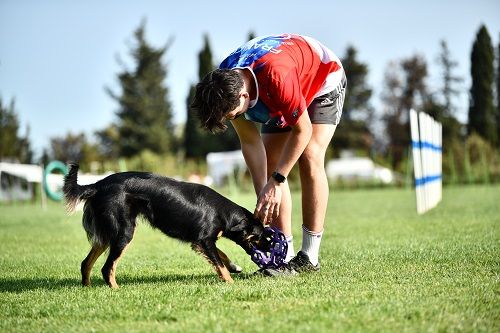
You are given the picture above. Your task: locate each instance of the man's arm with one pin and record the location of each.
(295, 145)
(253, 151)
(269, 199)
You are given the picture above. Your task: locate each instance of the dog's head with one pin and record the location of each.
(248, 232)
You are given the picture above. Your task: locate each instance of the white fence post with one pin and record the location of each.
(426, 137)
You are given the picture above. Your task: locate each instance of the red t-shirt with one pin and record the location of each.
(289, 71)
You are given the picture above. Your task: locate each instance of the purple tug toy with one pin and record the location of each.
(275, 256)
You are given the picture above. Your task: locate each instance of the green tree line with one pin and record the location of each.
(143, 135)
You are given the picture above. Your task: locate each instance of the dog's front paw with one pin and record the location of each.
(233, 268)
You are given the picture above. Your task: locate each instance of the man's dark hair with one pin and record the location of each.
(216, 95)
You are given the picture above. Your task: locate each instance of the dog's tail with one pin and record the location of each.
(74, 193)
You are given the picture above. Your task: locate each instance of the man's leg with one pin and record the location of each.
(315, 189)
(314, 202)
(274, 143)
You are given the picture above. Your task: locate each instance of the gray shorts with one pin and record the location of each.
(324, 109)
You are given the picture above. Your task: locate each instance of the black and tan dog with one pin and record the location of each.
(189, 212)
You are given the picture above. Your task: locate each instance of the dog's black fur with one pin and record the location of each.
(189, 212)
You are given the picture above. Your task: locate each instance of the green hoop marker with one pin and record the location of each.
(52, 166)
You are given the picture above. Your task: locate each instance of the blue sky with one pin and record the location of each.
(56, 57)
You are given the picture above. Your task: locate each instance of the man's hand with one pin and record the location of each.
(268, 203)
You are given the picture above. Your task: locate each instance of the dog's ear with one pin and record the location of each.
(240, 226)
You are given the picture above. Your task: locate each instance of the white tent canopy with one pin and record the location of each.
(223, 164)
(31, 172)
(17, 180)
(358, 168)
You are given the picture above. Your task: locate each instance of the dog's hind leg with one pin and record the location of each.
(89, 262)
(116, 250)
(231, 266)
(208, 250)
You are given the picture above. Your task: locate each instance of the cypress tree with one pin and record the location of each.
(251, 35)
(206, 64)
(498, 96)
(445, 112)
(357, 113)
(481, 108)
(193, 140)
(448, 90)
(223, 141)
(197, 142)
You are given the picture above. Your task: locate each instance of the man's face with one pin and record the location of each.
(240, 109)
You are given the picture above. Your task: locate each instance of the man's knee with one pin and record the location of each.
(312, 161)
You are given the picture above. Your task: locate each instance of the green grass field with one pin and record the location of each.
(384, 269)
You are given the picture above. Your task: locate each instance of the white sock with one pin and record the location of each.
(311, 242)
(290, 253)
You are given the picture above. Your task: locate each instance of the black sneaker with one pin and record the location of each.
(284, 270)
(299, 264)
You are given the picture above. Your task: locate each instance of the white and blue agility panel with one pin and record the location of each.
(426, 138)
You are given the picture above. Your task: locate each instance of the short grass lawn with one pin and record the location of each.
(384, 269)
